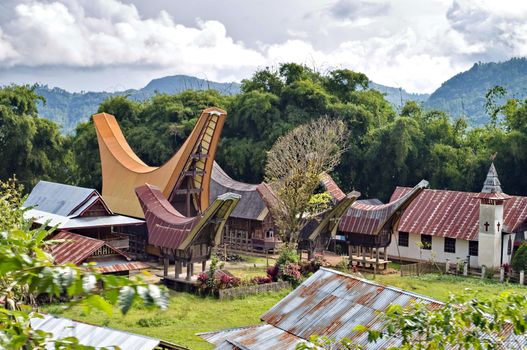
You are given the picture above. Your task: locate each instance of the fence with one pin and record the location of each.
(238, 292)
(501, 274)
(422, 268)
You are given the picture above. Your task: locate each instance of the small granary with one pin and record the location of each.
(185, 240)
(96, 336)
(320, 231)
(480, 228)
(369, 227)
(78, 250)
(250, 227)
(78, 210)
(328, 304)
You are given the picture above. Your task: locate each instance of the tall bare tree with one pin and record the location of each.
(293, 169)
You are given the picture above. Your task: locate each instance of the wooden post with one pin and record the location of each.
(522, 277)
(203, 265)
(363, 256)
(502, 274)
(483, 270)
(376, 260)
(465, 269)
(177, 270)
(447, 266)
(385, 254)
(189, 272)
(191, 269)
(165, 265)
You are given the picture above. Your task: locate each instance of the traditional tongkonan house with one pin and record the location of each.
(78, 250)
(78, 210)
(184, 179)
(320, 231)
(185, 240)
(369, 228)
(480, 228)
(250, 226)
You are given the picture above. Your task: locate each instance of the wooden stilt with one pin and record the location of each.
(363, 257)
(165, 266)
(203, 265)
(177, 269)
(191, 269)
(189, 272)
(376, 259)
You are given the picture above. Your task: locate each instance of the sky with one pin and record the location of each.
(114, 45)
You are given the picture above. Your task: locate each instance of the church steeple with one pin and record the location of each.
(492, 182)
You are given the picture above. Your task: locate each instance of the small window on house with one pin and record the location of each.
(473, 248)
(450, 245)
(403, 239)
(426, 241)
(270, 233)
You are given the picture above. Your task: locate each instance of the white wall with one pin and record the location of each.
(411, 253)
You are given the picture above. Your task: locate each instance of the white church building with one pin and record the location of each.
(482, 228)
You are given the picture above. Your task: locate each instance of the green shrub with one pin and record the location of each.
(287, 255)
(519, 260)
(153, 322)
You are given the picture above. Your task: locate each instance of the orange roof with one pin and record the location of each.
(123, 170)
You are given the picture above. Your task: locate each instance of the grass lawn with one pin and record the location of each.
(186, 315)
(440, 286)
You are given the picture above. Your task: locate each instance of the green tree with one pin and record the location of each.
(27, 271)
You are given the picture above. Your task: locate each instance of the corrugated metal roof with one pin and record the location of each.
(65, 222)
(330, 304)
(170, 229)
(370, 219)
(251, 204)
(95, 336)
(455, 214)
(330, 186)
(118, 266)
(58, 198)
(75, 248)
(258, 337)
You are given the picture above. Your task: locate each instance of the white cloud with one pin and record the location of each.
(407, 43)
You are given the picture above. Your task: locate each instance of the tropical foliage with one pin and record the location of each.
(29, 275)
(385, 148)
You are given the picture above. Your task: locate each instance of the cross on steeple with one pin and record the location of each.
(486, 226)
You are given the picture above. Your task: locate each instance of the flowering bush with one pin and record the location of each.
(226, 281)
(262, 280)
(291, 272)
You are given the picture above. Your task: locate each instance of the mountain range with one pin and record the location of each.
(460, 96)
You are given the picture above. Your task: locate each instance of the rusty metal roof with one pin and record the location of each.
(331, 304)
(263, 336)
(455, 214)
(370, 219)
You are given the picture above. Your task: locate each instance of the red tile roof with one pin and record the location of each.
(454, 214)
(370, 219)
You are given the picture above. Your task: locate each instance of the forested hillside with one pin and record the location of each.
(68, 109)
(386, 148)
(464, 94)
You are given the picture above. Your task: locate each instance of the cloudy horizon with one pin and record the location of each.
(120, 44)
